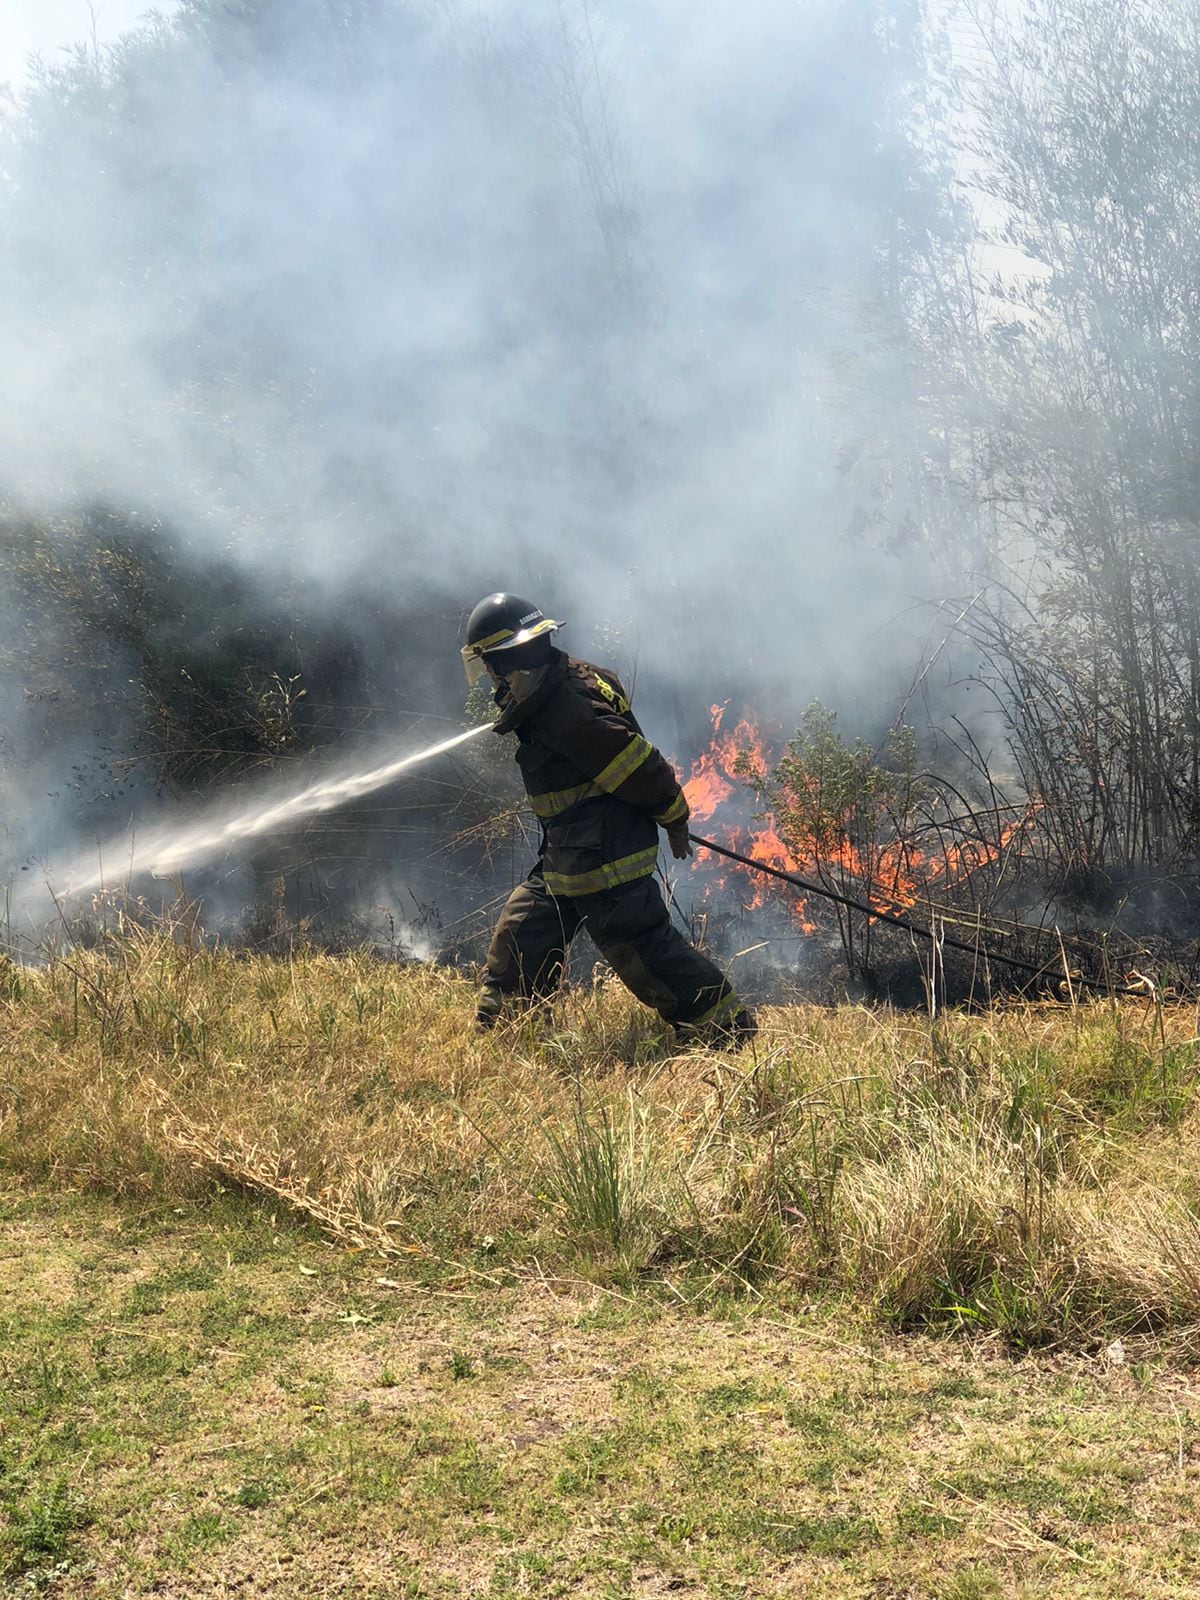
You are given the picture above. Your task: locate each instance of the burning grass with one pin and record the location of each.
(1032, 1172)
(875, 837)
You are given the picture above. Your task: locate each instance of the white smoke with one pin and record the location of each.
(577, 299)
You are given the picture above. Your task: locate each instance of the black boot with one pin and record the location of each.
(487, 1010)
(729, 1032)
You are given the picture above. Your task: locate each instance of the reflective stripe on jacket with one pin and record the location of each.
(597, 784)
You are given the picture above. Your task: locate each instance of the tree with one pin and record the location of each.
(1082, 384)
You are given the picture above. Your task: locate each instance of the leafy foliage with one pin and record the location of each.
(847, 809)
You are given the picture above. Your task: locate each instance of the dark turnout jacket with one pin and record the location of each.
(599, 787)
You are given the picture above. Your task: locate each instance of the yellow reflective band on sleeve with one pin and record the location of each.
(555, 801)
(674, 812)
(623, 766)
(610, 876)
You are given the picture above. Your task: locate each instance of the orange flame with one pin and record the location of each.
(728, 766)
(893, 876)
(708, 788)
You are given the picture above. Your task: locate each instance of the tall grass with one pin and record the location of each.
(1034, 1171)
(603, 1174)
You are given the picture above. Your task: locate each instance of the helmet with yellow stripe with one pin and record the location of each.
(498, 624)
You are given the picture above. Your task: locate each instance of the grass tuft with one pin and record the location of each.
(39, 1539)
(601, 1175)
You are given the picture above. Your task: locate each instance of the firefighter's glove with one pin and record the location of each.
(677, 838)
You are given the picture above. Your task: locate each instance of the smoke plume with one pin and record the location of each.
(346, 313)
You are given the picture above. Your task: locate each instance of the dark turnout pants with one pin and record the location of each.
(631, 929)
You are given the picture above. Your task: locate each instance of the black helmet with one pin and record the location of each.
(498, 623)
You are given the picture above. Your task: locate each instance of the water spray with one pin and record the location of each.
(169, 849)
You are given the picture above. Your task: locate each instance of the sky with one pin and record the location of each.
(46, 26)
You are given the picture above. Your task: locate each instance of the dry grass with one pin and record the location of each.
(1032, 1171)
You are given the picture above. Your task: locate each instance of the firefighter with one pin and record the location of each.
(601, 792)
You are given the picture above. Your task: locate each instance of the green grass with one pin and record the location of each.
(340, 1435)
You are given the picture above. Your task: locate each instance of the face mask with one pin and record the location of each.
(524, 684)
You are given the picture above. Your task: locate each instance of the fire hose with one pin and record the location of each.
(940, 938)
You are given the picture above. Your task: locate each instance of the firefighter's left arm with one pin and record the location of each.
(608, 746)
